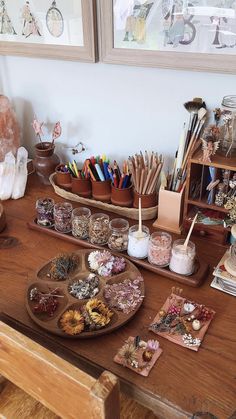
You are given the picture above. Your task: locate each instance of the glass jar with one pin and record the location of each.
(99, 228)
(62, 217)
(230, 263)
(220, 195)
(80, 222)
(228, 129)
(138, 242)
(159, 249)
(44, 208)
(182, 260)
(118, 240)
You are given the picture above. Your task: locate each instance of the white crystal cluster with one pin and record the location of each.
(13, 175)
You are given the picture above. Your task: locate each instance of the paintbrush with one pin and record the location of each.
(192, 107)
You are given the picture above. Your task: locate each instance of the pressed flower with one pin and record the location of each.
(72, 322)
(98, 312)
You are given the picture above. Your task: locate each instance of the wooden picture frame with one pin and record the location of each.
(218, 63)
(87, 52)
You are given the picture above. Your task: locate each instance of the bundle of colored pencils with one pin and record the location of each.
(121, 180)
(72, 168)
(98, 168)
(145, 170)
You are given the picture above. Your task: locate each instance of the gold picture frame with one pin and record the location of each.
(210, 62)
(86, 52)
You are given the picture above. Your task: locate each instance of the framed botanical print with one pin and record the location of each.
(183, 34)
(64, 29)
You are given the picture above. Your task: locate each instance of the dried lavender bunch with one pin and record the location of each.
(63, 265)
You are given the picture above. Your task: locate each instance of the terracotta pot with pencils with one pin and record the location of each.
(63, 177)
(100, 174)
(122, 190)
(146, 170)
(81, 184)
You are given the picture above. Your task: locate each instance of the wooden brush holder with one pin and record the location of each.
(170, 211)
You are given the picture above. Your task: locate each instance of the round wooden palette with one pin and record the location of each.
(45, 284)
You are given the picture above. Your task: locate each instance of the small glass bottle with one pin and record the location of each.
(62, 217)
(118, 240)
(228, 129)
(159, 249)
(220, 195)
(44, 208)
(183, 259)
(80, 222)
(99, 228)
(138, 242)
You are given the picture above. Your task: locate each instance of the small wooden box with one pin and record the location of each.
(170, 211)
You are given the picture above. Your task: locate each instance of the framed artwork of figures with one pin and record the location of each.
(64, 29)
(183, 34)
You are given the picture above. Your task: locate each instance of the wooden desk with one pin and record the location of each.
(182, 382)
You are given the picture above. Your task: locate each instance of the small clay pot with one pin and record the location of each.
(63, 178)
(45, 161)
(147, 201)
(81, 187)
(101, 190)
(122, 197)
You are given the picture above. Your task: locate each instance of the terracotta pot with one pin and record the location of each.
(2, 218)
(45, 161)
(82, 187)
(101, 191)
(122, 197)
(63, 178)
(147, 201)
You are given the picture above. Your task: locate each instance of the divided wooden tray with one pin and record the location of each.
(194, 280)
(132, 213)
(44, 284)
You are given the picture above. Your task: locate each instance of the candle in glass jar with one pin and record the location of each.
(159, 249)
(183, 259)
(138, 242)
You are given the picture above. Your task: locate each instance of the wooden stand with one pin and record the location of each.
(194, 280)
(199, 172)
(170, 211)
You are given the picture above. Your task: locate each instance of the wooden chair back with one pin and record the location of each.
(61, 387)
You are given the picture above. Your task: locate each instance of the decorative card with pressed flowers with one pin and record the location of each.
(138, 355)
(182, 321)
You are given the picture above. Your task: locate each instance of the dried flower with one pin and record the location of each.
(152, 345)
(56, 131)
(72, 322)
(63, 265)
(46, 303)
(124, 296)
(105, 264)
(128, 353)
(98, 313)
(85, 288)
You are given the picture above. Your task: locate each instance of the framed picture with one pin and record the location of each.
(182, 34)
(61, 29)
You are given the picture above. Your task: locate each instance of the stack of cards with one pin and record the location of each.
(223, 280)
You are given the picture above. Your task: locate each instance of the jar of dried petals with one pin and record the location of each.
(80, 222)
(44, 208)
(118, 240)
(99, 228)
(62, 217)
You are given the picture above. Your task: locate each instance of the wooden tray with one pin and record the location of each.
(132, 213)
(194, 280)
(44, 284)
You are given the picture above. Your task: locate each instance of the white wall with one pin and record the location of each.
(116, 110)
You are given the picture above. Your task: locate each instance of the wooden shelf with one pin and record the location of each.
(203, 204)
(221, 162)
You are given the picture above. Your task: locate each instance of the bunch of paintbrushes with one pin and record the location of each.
(189, 138)
(145, 170)
(120, 179)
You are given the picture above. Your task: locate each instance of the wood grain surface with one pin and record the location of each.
(182, 382)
